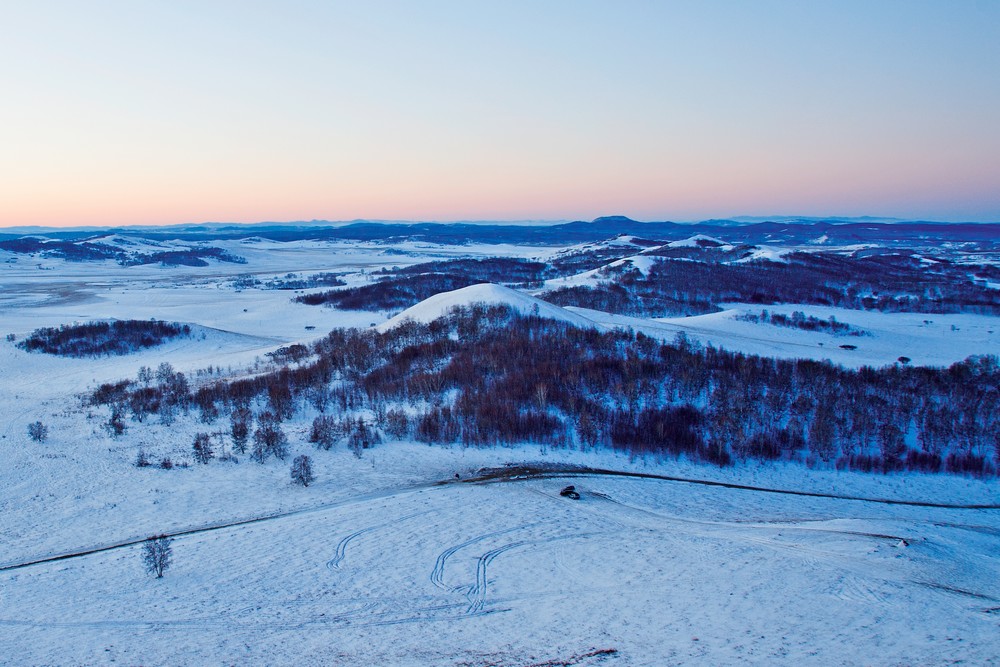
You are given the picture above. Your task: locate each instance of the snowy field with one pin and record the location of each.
(377, 564)
(637, 572)
(924, 339)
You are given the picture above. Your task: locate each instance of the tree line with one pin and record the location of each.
(486, 375)
(400, 288)
(888, 283)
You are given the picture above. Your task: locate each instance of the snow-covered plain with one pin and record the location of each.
(924, 339)
(512, 574)
(377, 564)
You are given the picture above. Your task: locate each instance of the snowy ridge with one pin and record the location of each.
(767, 253)
(135, 244)
(623, 240)
(620, 241)
(700, 240)
(438, 305)
(642, 263)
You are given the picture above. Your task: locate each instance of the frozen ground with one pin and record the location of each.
(924, 339)
(375, 564)
(509, 573)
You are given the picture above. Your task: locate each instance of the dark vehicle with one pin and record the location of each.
(570, 492)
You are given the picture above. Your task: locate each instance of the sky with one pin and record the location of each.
(177, 111)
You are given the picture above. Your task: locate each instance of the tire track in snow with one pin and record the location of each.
(852, 588)
(491, 478)
(809, 526)
(437, 574)
(341, 551)
(477, 594)
(232, 620)
(207, 528)
(417, 615)
(287, 604)
(853, 571)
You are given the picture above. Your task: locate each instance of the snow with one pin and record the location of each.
(767, 253)
(438, 305)
(136, 244)
(622, 240)
(642, 263)
(927, 261)
(889, 336)
(698, 240)
(377, 563)
(395, 571)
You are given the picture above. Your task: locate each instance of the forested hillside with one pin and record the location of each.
(485, 375)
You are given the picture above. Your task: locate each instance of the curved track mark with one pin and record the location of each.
(207, 528)
(437, 574)
(477, 594)
(341, 552)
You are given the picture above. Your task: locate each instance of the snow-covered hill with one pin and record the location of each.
(922, 339)
(701, 241)
(438, 305)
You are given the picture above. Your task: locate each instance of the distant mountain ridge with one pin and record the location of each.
(786, 230)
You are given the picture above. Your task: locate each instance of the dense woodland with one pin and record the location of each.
(695, 279)
(401, 288)
(86, 251)
(389, 293)
(189, 257)
(510, 271)
(73, 252)
(486, 376)
(96, 339)
(526, 273)
(889, 283)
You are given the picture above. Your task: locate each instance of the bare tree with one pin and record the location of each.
(269, 439)
(240, 422)
(280, 399)
(302, 470)
(115, 425)
(202, 448)
(38, 432)
(157, 554)
(362, 437)
(320, 397)
(397, 424)
(324, 431)
(164, 372)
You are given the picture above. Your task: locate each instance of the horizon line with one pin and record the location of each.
(540, 222)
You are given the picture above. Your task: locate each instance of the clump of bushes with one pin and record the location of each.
(97, 339)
